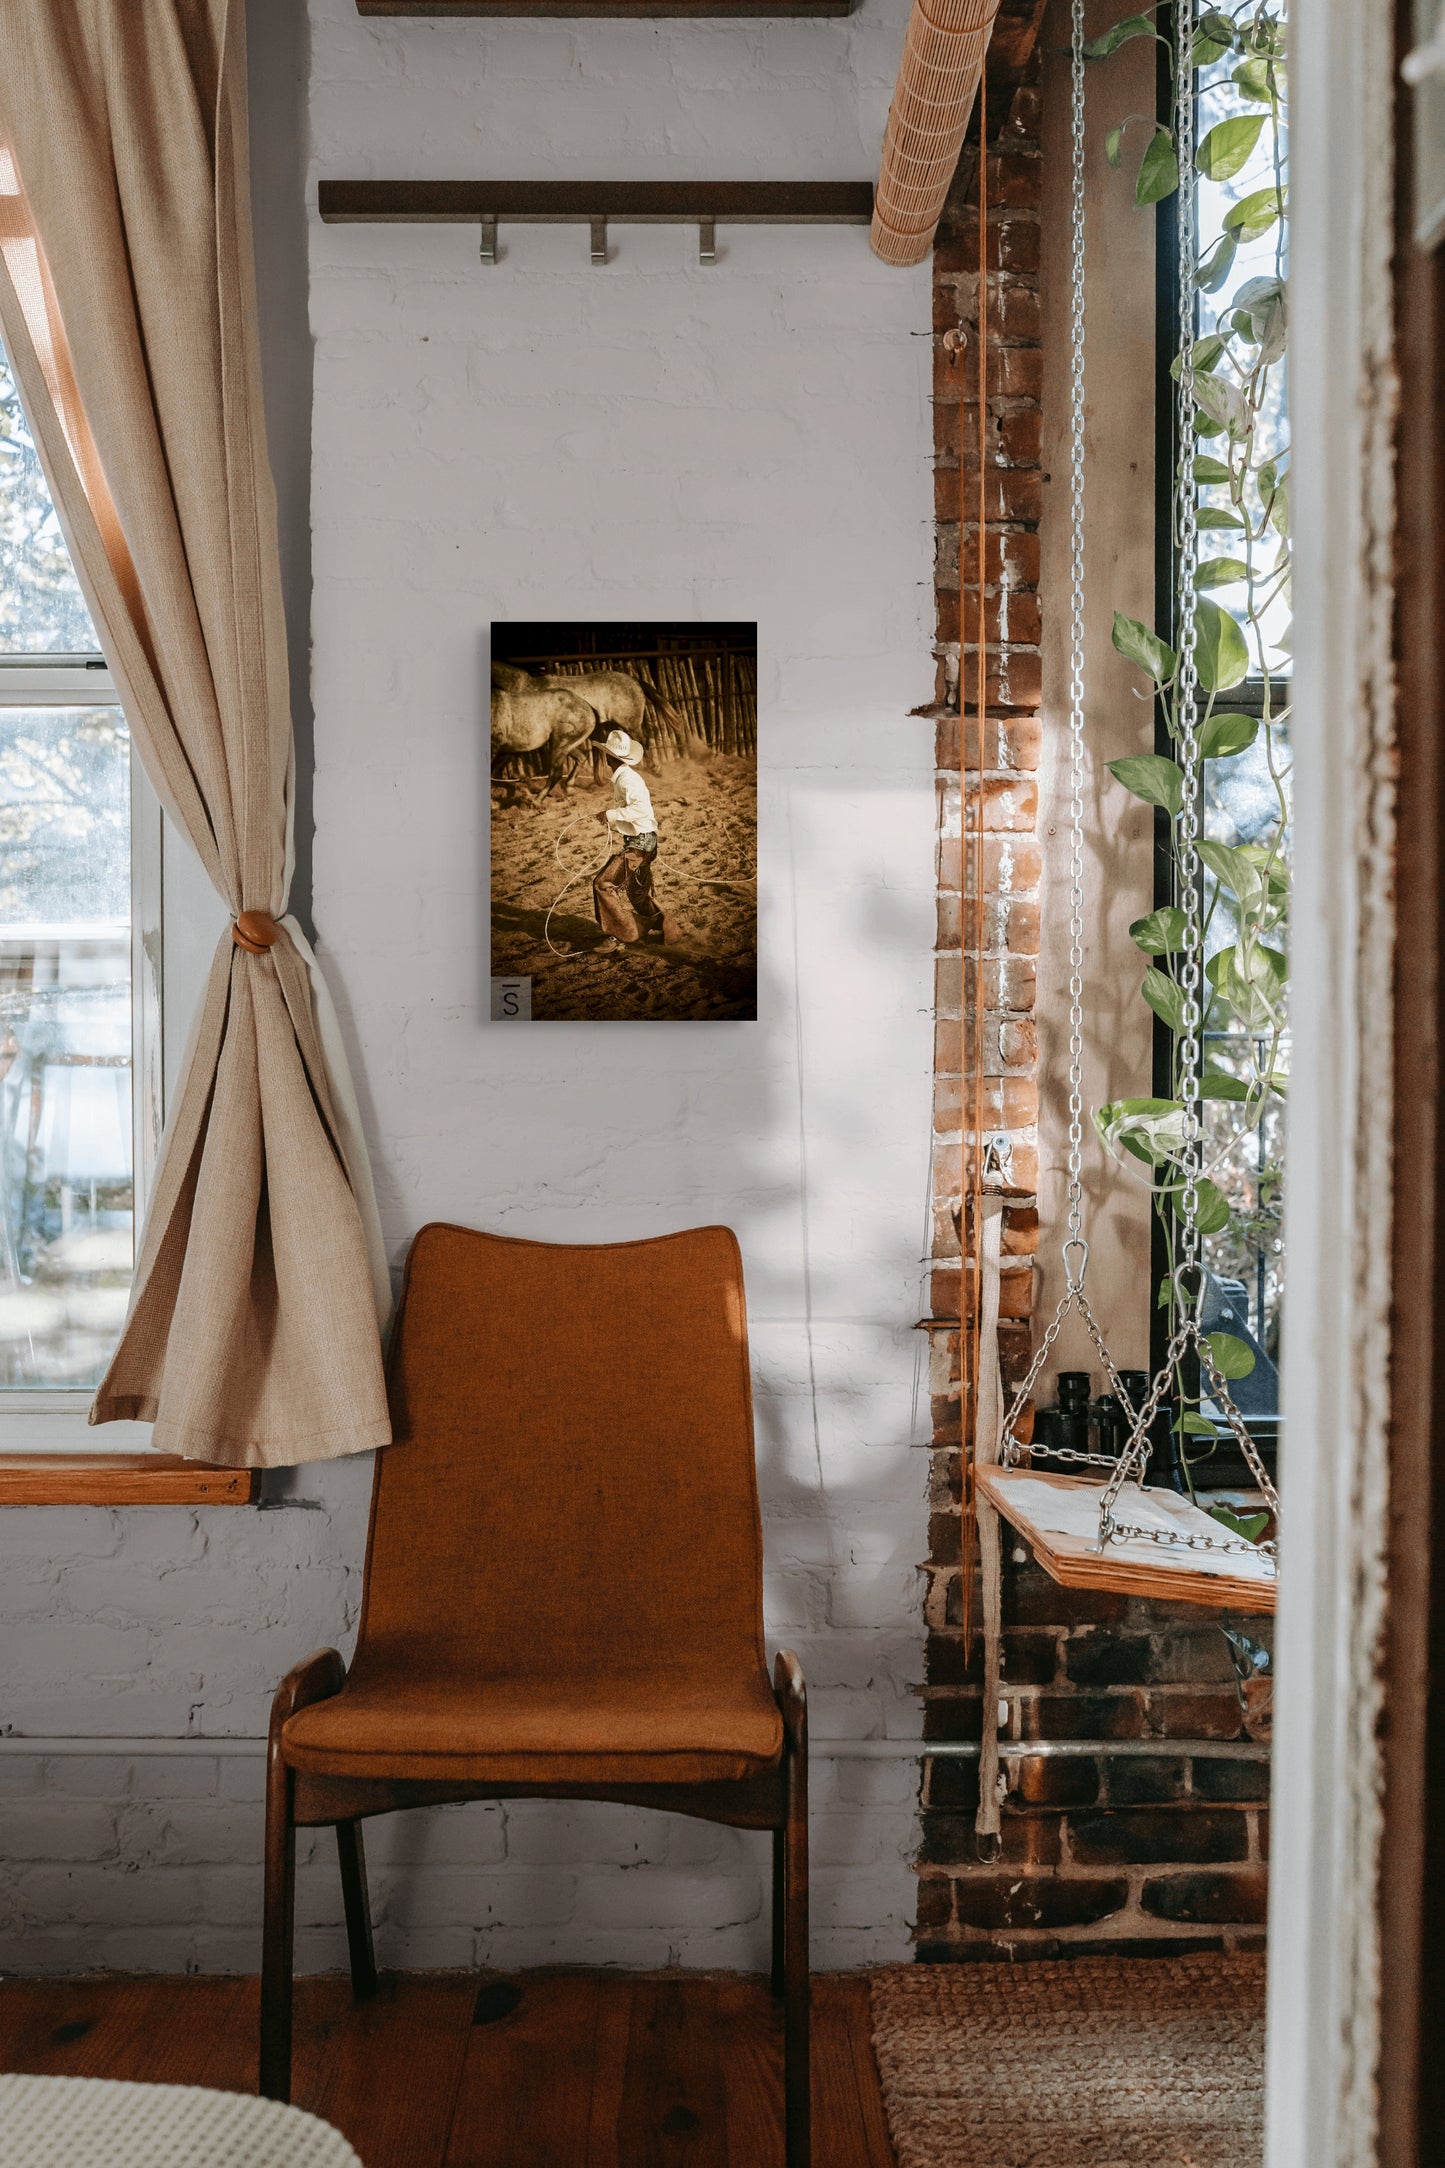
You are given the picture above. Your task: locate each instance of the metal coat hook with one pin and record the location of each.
(707, 240)
(489, 240)
(599, 239)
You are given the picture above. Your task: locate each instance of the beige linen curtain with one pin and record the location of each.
(127, 310)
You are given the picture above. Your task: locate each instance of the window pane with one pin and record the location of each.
(1259, 257)
(66, 1195)
(42, 610)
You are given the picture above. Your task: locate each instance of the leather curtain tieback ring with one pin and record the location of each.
(255, 931)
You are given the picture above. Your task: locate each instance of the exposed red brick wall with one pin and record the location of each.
(1103, 1850)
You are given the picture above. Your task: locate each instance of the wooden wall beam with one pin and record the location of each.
(628, 203)
(645, 10)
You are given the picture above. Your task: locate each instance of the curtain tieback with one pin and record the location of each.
(255, 931)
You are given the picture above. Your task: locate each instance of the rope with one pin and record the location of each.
(971, 1171)
(586, 872)
(992, 1786)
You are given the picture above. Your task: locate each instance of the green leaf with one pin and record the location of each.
(1161, 932)
(1249, 1525)
(1214, 515)
(1220, 654)
(1223, 401)
(1158, 170)
(1197, 1426)
(1142, 646)
(1216, 25)
(1225, 735)
(1220, 572)
(1154, 777)
(1150, 1129)
(1252, 215)
(1238, 872)
(1279, 507)
(1132, 26)
(1211, 1208)
(1165, 997)
(1216, 1084)
(1214, 269)
(1208, 50)
(1229, 146)
(1210, 470)
(1249, 977)
(1204, 354)
(1233, 1358)
(1114, 146)
(1253, 78)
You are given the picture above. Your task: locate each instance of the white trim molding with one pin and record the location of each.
(1325, 1957)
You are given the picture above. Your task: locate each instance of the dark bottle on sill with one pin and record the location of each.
(1073, 1418)
(1114, 1418)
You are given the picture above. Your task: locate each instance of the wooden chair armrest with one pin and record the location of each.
(317, 1679)
(791, 1695)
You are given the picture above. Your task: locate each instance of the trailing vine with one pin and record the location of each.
(1240, 482)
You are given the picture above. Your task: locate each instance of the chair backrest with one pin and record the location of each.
(572, 1484)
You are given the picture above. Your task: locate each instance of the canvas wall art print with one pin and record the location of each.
(624, 822)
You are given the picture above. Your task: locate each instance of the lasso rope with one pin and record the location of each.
(583, 873)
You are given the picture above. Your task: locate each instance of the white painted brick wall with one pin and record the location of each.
(546, 439)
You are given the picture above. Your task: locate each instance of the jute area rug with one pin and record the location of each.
(1093, 2062)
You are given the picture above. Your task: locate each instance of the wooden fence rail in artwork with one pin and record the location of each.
(711, 694)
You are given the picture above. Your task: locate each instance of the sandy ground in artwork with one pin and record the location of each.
(704, 877)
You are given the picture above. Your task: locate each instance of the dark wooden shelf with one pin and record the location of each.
(631, 10)
(121, 1479)
(626, 203)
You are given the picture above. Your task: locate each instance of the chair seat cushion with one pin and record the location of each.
(388, 1722)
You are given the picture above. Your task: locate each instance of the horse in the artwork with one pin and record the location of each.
(621, 702)
(528, 713)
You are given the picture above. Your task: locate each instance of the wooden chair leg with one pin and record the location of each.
(278, 1932)
(797, 2060)
(358, 1908)
(778, 1914)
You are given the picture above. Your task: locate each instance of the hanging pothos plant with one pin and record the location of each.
(1241, 490)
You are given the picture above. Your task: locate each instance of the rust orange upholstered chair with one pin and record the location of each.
(563, 1590)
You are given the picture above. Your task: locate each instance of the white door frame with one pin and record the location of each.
(1325, 1956)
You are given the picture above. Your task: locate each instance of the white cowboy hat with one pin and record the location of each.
(621, 747)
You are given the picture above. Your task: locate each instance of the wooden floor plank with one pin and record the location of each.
(388, 2076)
(203, 2041)
(525, 2098)
(91, 2028)
(589, 2070)
(673, 2109)
(750, 2028)
(609, 2068)
(857, 1999)
(840, 2135)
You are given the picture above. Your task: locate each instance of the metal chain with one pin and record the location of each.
(1076, 643)
(1075, 1249)
(1191, 974)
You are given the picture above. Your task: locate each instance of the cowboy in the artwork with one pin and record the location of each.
(622, 892)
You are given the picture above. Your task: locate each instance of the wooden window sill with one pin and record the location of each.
(121, 1479)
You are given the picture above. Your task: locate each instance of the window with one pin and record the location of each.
(1242, 509)
(81, 1076)
(1248, 797)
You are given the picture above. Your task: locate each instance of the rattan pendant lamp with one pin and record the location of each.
(938, 80)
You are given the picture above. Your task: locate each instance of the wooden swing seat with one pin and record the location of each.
(1058, 1515)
